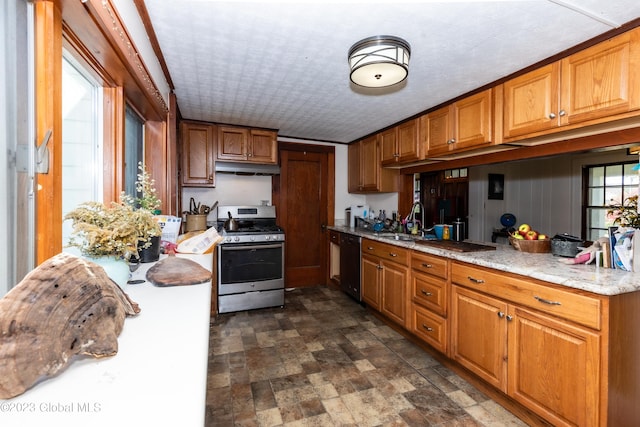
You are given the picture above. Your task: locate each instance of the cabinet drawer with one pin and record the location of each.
(571, 305)
(384, 251)
(429, 264)
(334, 237)
(430, 327)
(430, 292)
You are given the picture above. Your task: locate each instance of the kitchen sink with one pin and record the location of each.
(399, 237)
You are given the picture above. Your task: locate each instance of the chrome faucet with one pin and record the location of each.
(417, 208)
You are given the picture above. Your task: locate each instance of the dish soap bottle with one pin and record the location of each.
(445, 233)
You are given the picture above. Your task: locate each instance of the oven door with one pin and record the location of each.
(250, 267)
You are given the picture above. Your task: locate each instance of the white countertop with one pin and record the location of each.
(157, 378)
(546, 267)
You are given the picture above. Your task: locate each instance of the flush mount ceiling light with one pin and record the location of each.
(379, 61)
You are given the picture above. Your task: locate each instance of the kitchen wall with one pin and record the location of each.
(544, 193)
(251, 190)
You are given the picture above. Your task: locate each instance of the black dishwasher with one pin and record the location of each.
(350, 264)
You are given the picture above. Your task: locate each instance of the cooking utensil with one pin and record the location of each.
(231, 224)
(194, 208)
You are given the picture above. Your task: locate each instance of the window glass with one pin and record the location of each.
(133, 146)
(81, 141)
(607, 185)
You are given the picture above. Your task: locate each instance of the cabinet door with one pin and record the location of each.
(388, 141)
(355, 172)
(394, 292)
(439, 131)
(554, 368)
(370, 164)
(232, 143)
(409, 148)
(197, 155)
(473, 120)
(479, 335)
(602, 80)
(531, 101)
(263, 146)
(370, 282)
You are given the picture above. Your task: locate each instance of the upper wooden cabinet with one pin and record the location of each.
(464, 124)
(365, 172)
(198, 158)
(593, 86)
(240, 144)
(401, 144)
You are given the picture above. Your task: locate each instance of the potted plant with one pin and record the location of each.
(146, 199)
(111, 235)
(625, 214)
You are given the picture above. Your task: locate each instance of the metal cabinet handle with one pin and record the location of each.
(426, 293)
(562, 113)
(393, 254)
(500, 314)
(427, 328)
(552, 115)
(379, 267)
(509, 318)
(425, 265)
(369, 248)
(451, 141)
(474, 280)
(546, 301)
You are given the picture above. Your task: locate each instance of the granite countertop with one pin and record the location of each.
(546, 267)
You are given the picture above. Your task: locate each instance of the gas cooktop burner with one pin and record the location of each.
(255, 230)
(256, 224)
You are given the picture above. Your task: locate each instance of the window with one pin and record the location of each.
(81, 140)
(133, 149)
(605, 185)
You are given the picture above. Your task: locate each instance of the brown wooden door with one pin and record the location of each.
(197, 155)
(479, 335)
(598, 82)
(554, 368)
(395, 282)
(370, 281)
(232, 143)
(531, 101)
(263, 146)
(304, 201)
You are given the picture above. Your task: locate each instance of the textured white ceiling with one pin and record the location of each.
(283, 65)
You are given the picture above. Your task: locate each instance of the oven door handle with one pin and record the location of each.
(244, 248)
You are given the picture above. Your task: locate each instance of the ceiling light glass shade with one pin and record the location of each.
(379, 61)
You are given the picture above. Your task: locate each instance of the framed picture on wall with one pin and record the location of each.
(496, 186)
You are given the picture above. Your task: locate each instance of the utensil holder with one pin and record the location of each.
(196, 222)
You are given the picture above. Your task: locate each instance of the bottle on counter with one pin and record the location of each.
(446, 235)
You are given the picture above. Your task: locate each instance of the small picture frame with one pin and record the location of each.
(496, 186)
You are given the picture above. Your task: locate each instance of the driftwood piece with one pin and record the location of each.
(176, 271)
(67, 306)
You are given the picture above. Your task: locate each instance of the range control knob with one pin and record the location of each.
(237, 238)
(252, 238)
(267, 237)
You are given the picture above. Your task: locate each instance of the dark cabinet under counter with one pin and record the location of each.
(350, 264)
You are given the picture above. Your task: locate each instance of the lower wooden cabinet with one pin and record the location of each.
(385, 280)
(548, 363)
(554, 368)
(568, 356)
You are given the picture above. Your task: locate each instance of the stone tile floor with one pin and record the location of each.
(324, 360)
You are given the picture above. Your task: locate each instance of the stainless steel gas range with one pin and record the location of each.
(250, 259)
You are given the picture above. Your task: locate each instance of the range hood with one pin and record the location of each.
(239, 168)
